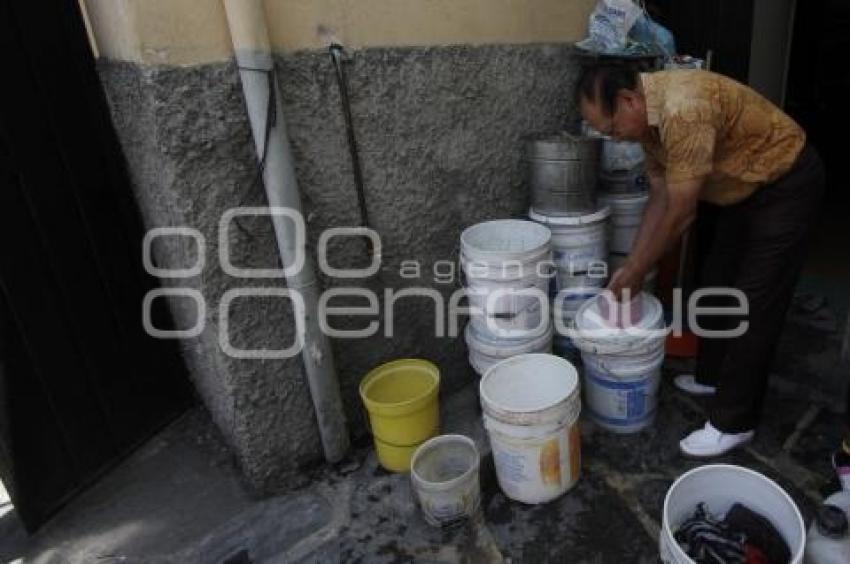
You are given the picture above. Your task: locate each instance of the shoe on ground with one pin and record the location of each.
(708, 442)
(841, 464)
(688, 384)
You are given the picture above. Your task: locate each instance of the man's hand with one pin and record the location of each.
(626, 283)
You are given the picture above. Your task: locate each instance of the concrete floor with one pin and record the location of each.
(179, 498)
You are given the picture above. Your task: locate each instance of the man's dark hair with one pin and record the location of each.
(601, 83)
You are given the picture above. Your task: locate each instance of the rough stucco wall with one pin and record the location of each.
(440, 134)
(189, 152)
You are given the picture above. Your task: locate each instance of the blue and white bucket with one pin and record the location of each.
(621, 393)
(622, 366)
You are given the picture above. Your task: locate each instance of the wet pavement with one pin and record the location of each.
(357, 512)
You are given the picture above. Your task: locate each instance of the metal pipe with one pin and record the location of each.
(337, 53)
(249, 33)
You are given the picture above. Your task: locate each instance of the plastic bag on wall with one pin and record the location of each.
(610, 23)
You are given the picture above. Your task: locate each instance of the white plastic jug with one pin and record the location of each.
(829, 539)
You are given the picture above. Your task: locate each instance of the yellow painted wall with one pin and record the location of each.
(185, 32)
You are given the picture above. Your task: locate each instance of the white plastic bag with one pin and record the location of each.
(610, 23)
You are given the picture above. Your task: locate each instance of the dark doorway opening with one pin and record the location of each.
(81, 383)
(816, 96)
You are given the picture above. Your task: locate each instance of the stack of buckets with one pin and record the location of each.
(563, 172)
(621, 371)
(505, 265)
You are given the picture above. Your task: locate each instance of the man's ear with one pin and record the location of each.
(630, 97)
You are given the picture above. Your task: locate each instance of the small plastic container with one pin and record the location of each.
(444, 473)
(829, 536)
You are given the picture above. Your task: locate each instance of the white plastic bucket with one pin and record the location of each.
(621, 392)
(531, 406)
(826, 544)
(486, 349)
(579, 248)
(444, 474)
(622, 366)
(506, 281)
(720, 486)
(626, 216)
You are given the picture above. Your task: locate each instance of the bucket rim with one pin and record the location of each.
(624, 198)
(382, 370)
(488, 403)
(472, 251)
(653, 362)
(666, 525)
(601, 214)
(651, 318)
(432, 443)
(562, 146)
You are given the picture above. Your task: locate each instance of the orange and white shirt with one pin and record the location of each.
(705, 125)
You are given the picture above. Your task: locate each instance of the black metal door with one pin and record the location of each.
(81, 383)
(723, 26)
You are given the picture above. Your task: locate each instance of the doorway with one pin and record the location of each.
(81, 383)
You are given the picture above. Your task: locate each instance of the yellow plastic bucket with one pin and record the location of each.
(404, 412)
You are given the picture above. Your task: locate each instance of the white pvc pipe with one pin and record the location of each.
(249, 33)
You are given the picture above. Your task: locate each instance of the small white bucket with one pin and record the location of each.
(531, 406)
(579, 248)
(507, 278)
(626, 216)
(622, 366)
(444, 474)
(720, 486)
(485, 349)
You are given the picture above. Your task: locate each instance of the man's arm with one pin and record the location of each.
(656, 206)
(670, 211)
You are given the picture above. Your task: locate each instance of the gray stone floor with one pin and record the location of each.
(179, 498)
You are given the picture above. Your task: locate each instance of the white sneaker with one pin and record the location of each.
(708, 442)
(688, 384)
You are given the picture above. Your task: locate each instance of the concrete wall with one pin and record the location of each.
(439, 129)
(187, 32)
